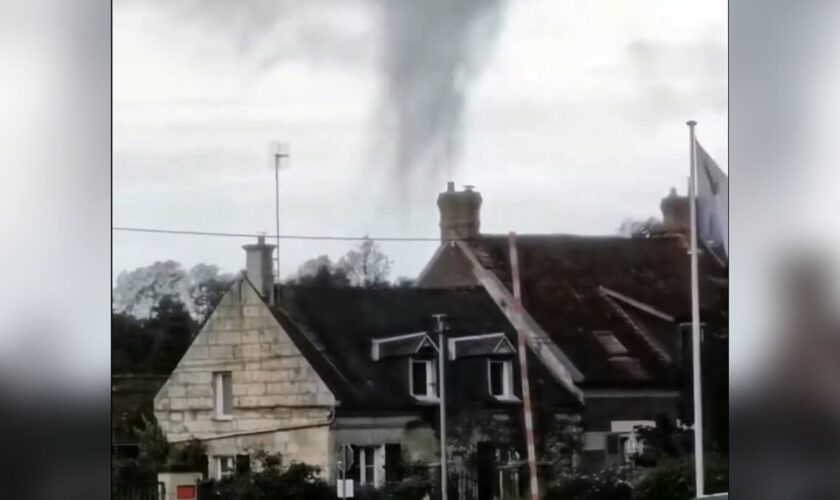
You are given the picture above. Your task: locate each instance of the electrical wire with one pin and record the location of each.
(282, 236)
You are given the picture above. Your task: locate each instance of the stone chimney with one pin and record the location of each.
(459, 213)
(676, 213)
(260, 266)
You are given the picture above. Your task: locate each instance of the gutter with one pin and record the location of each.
(328, 422)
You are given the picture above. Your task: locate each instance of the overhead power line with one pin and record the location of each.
(282, 236)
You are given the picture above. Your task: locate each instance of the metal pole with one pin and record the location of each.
(277, 211)
(695, 322)
(442, 395)
(523, 370)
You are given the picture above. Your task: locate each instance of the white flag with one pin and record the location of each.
(712, 201)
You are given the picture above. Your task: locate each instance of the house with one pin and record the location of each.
(613, 312)
(305, 370)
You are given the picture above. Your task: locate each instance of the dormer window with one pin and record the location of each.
(422, 378)
(500, 378)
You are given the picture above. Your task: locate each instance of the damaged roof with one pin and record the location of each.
(637, 289)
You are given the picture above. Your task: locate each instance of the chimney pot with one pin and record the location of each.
(675, 213)
(459, 213)
(259, 266)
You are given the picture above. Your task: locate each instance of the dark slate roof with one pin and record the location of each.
(335, 327)
(563, 279)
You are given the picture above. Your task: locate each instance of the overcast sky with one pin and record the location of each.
(573, 121)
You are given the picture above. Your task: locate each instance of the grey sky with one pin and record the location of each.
(575, 121)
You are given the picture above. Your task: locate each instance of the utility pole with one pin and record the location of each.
(439, 326)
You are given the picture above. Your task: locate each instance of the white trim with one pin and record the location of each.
(219, 396)
(507, 379)
(431, 379)
(452, 347)
(375, 353)
(379, 466)
(217, 465)
(424, 342)
(382, 340)
(549, 353)
(478, 337)
(504, 341)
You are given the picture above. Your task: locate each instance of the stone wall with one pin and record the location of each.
(273, 386)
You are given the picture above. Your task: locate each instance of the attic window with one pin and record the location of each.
(500, 378)
(610, 343)
(422, 378)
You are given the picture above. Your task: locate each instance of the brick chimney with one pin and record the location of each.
(459, 213)
(676, 213)
(259, 266)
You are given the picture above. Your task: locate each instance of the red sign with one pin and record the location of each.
(185, 491)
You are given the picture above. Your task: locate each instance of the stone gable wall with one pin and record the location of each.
(273, 385)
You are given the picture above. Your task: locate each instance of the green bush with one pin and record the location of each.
(297, 481)
(608, 484)
(674, 479)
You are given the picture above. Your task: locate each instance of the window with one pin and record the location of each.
(364, 465)
(224, 466)
(223, 394)
(610, 343)
(500, 375)
(422, 378)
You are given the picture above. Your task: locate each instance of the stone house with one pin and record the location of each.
(304, 370)
(612, 311)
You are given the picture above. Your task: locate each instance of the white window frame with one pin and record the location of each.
(218, 459)
(507, 379)
(363, 469)
(431, 379)
(219, 397)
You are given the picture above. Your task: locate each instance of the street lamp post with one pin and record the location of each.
(439, 326)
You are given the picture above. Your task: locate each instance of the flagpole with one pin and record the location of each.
(695, 320)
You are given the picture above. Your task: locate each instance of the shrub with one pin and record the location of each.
(608, 484)
(674, 479)
(297, 481)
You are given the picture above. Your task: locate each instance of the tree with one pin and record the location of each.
(131, 344)
(206, 295)
(137, 292)
(321, 272)
(174, 327)
(639, 228)
(366, 266)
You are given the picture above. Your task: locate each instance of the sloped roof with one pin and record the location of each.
(343, 322)
(566, 280)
